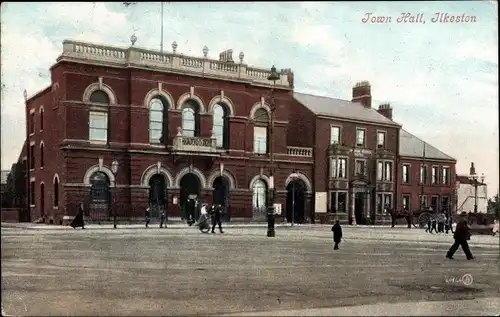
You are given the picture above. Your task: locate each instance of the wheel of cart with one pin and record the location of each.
(423, 219)
(414, 221)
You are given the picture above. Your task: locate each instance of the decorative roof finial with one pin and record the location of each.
(205, 51)
(242, 56)
(133, 39)
(174, 46)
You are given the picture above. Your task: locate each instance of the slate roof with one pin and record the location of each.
(410, 145)
(339, 108)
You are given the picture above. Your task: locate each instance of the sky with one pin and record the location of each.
(440, 78)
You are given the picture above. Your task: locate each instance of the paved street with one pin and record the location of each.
(180, 271)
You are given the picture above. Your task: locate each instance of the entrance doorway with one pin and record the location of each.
(157, 195)
(359, 207)
(295, 201)
(190, 190)
(220, 195)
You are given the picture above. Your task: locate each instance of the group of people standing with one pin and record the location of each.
(439, 223)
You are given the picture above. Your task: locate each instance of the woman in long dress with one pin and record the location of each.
(78, 221)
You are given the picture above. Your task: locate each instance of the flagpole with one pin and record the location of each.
(161, 42)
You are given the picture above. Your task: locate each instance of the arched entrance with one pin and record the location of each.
(295, 201)
(190, 190)
(42, 202)
(100, 196)
(157, 195)
(220, 195)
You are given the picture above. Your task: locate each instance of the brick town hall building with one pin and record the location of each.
(120, 129)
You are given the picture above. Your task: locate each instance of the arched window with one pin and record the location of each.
(260, 131)
(99, 190)
(41, 119)
(56, 192)
(190, 118)
(157, 120)
(259, 196)
(98, 116)
(42, 146)
(220, 126)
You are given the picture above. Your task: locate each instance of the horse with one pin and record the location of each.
(397, 214)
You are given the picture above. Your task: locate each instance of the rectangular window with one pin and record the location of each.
(387, 202)
(260, 140)
(434, 203)
(32, 123)
(342, 201)
(32, 157)
(333, 202)
(446, 175)
(445, 204)
(360, 167)
(32, 193)
(388, 171)
(98, 126)
(380, 140)
(342, 168)
(334, 135)
(379, 203)
(360, 137)
(423, 201)
(406, 203)
(406, 174)
(435, 171)
(423, 174)
(380, 170)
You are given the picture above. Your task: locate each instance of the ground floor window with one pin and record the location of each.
(423, 201)
(338, 201)
(406, 202)
(435, 203)
(99, 190)
(259, 196)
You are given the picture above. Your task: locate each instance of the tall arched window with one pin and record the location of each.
(190, 118)
(260, 130)
(98, 116)
(41, 119)
(157, 120)
(42, 146)
(259, 196)
(220, 126)
(99, 190)
(56, 192)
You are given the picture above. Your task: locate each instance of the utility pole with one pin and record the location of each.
(423, 179)
(161, 41)
(28, 157)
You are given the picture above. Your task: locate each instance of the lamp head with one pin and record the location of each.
(273, 75)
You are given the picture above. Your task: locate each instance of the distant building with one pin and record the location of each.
(466, 195)
(6, 199)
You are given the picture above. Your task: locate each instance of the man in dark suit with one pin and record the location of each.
(461, 236)
(337, 234)
(216, 218)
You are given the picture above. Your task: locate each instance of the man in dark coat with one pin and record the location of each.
(461, 236)
(216, 218)
(78, 221)
(337, 234)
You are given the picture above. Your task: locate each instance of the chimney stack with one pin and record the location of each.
(361, 92)
(385, 110)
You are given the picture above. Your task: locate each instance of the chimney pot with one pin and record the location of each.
(361, 92)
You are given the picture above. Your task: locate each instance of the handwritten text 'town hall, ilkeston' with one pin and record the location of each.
(418, 18)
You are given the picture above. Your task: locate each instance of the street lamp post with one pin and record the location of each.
(474, 178)
(273, 76)
(114, 169)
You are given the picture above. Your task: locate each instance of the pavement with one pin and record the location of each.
(157, 272)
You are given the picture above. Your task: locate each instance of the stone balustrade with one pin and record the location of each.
(171, 62)
(299, 151)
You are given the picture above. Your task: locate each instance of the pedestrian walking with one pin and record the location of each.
(217, 210)
(429, 225)
(78, 221)
(147, 215)
(441, 222)
(337, 234)
(163, 218)
(462, 234)
(433, 224)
